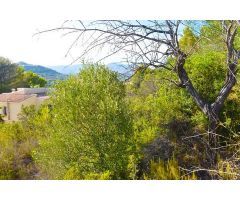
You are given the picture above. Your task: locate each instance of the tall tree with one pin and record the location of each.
(12, 76)
(8, 72)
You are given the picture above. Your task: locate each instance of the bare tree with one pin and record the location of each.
(150, 44)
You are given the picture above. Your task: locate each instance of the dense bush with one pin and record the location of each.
(91, 135)
(168, 170)
(16, 145)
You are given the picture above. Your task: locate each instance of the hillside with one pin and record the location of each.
(60, 72)
(47, 73)
(73, 69)
(66, 69)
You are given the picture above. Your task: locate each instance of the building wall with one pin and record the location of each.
(38, 96)
(14, 108)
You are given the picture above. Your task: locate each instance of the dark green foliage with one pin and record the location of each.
(13, 76)
(31, 79)
(8, 73)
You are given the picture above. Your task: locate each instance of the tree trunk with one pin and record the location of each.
(213, 138)
(213, 121)
(212, 134)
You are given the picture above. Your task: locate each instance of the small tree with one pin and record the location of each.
(91, 130)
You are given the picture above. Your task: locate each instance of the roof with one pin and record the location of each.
(43, 97)
(14, 97)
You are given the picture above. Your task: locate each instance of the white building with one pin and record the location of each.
(11, 103)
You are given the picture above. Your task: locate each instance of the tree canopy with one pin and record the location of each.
(8, 73)
(12, 76)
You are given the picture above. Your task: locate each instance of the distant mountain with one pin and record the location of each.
(61, 72)
(45, 72)
(66, 69)
(74, 69)
(123, 69)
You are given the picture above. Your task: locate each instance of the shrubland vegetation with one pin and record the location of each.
(96, 126)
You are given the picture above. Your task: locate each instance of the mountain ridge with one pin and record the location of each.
(61, 72)
(47, 73)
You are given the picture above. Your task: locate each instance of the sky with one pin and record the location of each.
(20, 20)
(18, 43)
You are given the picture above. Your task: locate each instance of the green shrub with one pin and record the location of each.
(91, 128)
(167, 170)
(16, 145)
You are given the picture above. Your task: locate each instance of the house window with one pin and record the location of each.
(4, 110)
